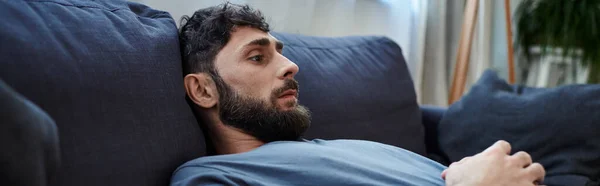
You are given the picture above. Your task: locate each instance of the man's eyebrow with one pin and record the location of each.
(265, 42)
(260, 42)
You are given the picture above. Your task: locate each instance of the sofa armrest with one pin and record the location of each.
(431, 117)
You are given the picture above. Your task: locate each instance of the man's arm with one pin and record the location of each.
(494, 167)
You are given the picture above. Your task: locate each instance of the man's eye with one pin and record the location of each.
(257, 58)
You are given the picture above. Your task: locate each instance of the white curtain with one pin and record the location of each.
(444, 22)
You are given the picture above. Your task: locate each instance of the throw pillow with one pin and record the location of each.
(559, 127)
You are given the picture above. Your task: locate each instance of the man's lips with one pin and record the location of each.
(287, 93)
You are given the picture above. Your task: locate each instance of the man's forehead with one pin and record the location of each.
(243, 36)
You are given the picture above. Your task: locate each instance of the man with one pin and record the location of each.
(244, 92)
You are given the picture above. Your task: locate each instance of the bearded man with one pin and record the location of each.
(243, 91)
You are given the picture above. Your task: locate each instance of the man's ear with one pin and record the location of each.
(201, 89)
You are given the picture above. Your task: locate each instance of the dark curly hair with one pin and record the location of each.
(205, 33)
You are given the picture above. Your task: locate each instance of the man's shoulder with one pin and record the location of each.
(197, 172)
(213, 162)
(200, 164)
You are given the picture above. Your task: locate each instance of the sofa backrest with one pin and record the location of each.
(357, 87)
(109, 74)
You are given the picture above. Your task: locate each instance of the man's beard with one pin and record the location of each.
(260, 119)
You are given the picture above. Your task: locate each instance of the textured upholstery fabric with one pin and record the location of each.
(356, 88)
(559, 127)
(29, 152)
(109, 74)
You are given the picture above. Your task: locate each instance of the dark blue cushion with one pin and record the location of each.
(559, 127)
(357, 88)
(109, 74)
(28, 139)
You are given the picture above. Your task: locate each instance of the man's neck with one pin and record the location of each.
(229, 140)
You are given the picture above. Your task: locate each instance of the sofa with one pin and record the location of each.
(107, 77)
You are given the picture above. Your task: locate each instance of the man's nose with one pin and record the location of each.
(288, 70)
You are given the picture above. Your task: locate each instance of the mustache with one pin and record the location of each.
(287, 85)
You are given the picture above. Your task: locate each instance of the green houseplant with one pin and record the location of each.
(571, 25)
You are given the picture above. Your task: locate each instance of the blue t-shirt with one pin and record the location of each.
(316, 162)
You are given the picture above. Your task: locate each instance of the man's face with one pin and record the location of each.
(260, 95)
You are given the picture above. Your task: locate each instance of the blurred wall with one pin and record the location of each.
(396, 19)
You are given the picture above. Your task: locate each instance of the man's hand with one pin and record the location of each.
(495, 167)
